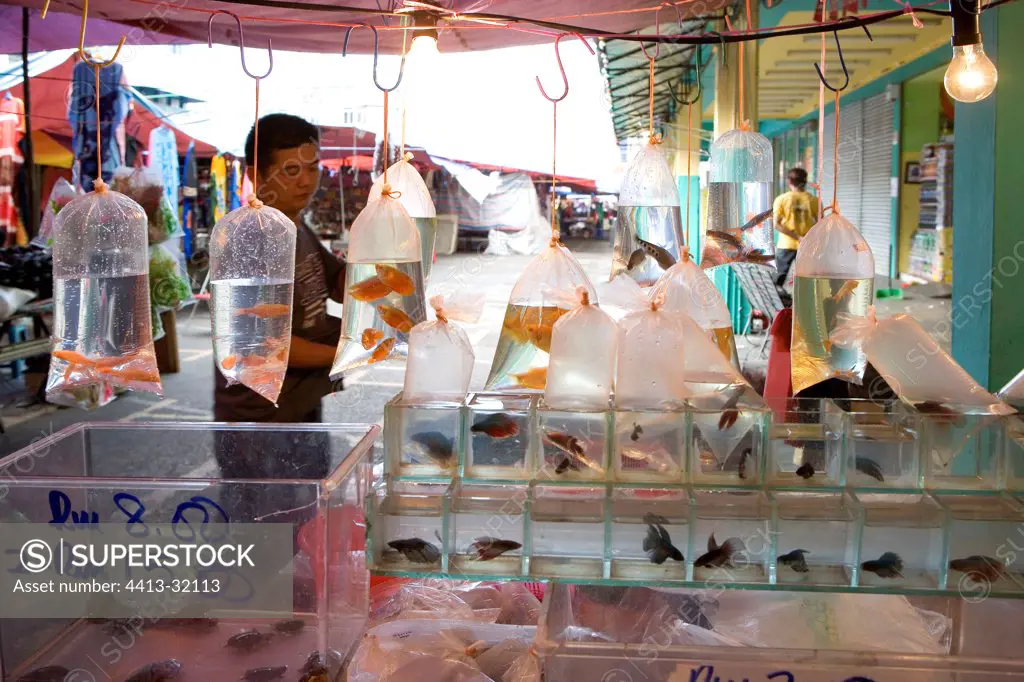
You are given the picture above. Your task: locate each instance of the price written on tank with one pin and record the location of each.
(197, 508)
(707, 673)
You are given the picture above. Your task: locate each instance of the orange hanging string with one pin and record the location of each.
(689, 138)
(835, 161)
(556, 235)
(98, 184)
(387, 188)
(650, 101)
(254, 201)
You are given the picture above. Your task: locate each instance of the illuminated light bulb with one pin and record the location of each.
(971, 76)
(423, 52)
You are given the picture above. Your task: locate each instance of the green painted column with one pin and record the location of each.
(987, 309)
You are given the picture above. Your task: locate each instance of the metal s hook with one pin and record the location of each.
(561, 68)
(376, 55)
(846, 72)
(81, 42)
(688, 102)
(241, 43)
(657, 32)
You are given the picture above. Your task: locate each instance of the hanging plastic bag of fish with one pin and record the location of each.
(740, 227)
(583, 351)
(835, 274)
(440, 354)
(650, 370)
(414, 196)
(648, 230)
(102, 332)
(536, 303)
(383, 287)
(60, 196)
(146, 186)
(687, 289)
(252, 277)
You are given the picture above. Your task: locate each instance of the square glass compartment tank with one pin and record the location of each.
(804, 444)
(649, 532)
(408, 525)
(902, 540)
(882, 440)
(499, 435)
(1013, 449)
(650, 446)
(960, 451)
(986, 544)
(566, 531)
(573, 446)
(730, 536)
(815, 538)
(485, 528)
(421, 439)
(728, 436)
(311, 477)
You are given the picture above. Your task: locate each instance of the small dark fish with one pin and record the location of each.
(250, 640)
(729, 412)
(635, 259)
(290, 626)
(160, 671)
(567, 463)
(661, 256)
(637, 432)
(48, 673)
(574, 454)
(416, 550)
(868, 467)
(756, 220)
(438, 446)
(720, 555)
(316, 664)
(942, 414)
(725, 238)
(498, 426)
(488, 548)
(795, 560)
(741, 469)
(805, 471)
(265, 674)
(658, 545)
(889, 565)
(984, 566)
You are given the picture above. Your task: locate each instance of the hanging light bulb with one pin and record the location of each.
(423, 52)
(971, 75)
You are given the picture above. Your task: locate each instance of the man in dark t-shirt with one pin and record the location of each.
(288, 174)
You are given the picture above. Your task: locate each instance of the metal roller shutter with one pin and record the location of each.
(876, 197)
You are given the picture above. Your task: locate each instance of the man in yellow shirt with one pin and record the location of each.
(796, 211)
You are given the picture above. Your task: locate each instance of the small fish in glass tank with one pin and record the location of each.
(159, 671)
(795, 560)
(248, 640)
(889, 565)
(727, 555)
(265, 673)
(416, 550)
(658, 543)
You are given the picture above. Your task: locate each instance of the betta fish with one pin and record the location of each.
(574, 454)
(637, 432)
(290, 626)
(795, 560)
(658, 544)
(498, 426)
(437, 446)
(805, 471)
(720, 555)
(488, 548)
(417, 551)
(729, 412)
(265, 673)
(249, 640)
(868, 467)
(889, 565)
(160, 671)
(983, 566)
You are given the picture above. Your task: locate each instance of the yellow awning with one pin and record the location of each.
(46, 151)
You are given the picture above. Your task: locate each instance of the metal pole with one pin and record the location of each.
(32, 220)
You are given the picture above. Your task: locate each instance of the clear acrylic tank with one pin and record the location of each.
(252, 277)
(805, 443)
(422, 438)
(740, 225)
(415, 198)
(311, 477)
(102, 322)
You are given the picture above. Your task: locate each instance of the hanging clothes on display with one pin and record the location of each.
(235, 185)
(163, 155)
(12, 127)
(218, 187)
(189, 197)
(114, 105)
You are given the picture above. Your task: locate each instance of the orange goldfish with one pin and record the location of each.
(281, 355)
(393, 317)
(371, 337)
(370, 289)
(396, 280)
(267, 310)
(229, 362)
(131, 374)
(382, 351)
(536, 378)
(73, 357)
(253, 360)
(845, 290)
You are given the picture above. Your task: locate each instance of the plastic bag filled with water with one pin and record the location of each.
(412, 193)
(740, 226)
(383, 287)
(440, 354)
(102, 333)
(835, 274)
(686, 288)
(581, 371)
(252, 279)
(648, 230)
(60, 196)
(535, 305)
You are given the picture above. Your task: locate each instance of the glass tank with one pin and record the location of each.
(804, 444)
(422, 439)
(311, 477)
(499, 432)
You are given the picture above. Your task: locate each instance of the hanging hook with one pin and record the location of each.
(565, 80)
(687, 102)
(846, 73)
(657, 33)
(376, 54)
(81, 43)
(241, 43)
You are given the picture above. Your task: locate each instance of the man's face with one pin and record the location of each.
(288, 180)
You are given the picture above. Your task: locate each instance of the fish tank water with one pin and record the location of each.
(313, 478)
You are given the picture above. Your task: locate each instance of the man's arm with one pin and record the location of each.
(786, 231)
(305, 354)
